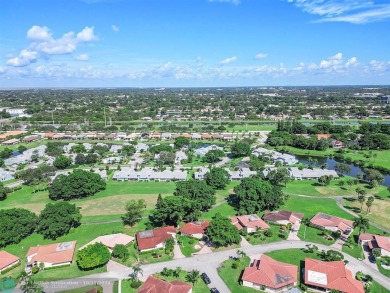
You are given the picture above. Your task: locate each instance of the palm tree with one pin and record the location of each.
(193, 276)
(240, 253)
(369, 202)
(361, 198)
(361, 223)
(137, 270)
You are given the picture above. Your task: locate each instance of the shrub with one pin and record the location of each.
(135, 284)
(268, 233)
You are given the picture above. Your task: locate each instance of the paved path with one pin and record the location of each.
(244, 242)
(176, 250)
(115, 266)
(293, 235)
(210, 262)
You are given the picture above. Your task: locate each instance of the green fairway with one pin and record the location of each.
(313, 188)
(225, 209)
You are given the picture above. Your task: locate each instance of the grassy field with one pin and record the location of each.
(315, 235)
(257, 240)
(379, 212)
(187, 244)
(232, 276)
(313, 188)
(382, 269)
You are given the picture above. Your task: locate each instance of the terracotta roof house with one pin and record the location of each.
(283, 217)
(111, 240)
(195, 229)
(216, 136)
(153, 239)
(6, 134)
(7, 260)
(31, 138)
(376, 241)
(155, 135)
(154, 285)
(274, 275)
(228, 136)
(111, 136)
(186, 135)
(206, 136)
(249, 222)
(331, 275)
(323, 136)
(51, 255)
(332, 223)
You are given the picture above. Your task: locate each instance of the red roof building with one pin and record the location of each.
(7, 260)
(331, 275)
(195, 229)
(270, 273)
(249, 222)
(154, 285)
(51, 255)
(376, 241)
(283, 217)
(332, 223)
(153, 239)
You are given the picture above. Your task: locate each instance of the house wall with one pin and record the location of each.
(251, 230)
(198, 235)
(51, 265)
(10, 265)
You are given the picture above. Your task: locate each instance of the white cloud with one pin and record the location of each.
(351, 62)
(352, 11)
(44, 44)
(87, 35)
(115, 28)
(228, 60)
(82, 57)
(26, 57)
(332, 63)
(261, 56)
(39, 33)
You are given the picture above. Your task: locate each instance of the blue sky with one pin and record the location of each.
(177, 43)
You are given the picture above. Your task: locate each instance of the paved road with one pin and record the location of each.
(210, 262)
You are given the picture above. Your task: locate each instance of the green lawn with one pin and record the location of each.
(252, 239)
(313, 188)
(187, 244)
(311, 206)
(126, 288)
(225, 209)
(314, 235)
(232, 276)
(382, 269)
(376, 288)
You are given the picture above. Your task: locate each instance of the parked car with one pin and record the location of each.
(205, 278)
(214, 290)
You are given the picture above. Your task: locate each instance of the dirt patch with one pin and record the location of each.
(113, 204)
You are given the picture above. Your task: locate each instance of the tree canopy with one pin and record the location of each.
(198, 191)
(217, 178)
(56, 219)
(222, 232)
(62, 162)
(15, 225)
(134, 210)
(93, 256)
(241, 149)
(77, 184)
(253, 196)
(181, 141)
(213, 156)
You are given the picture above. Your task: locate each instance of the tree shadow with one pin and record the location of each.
(353, 209)
(233, 200)
(350, 199)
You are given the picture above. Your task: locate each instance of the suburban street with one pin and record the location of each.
(208, 263)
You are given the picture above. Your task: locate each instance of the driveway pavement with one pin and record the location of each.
(177, 251)
(244, 242)
(294, 231)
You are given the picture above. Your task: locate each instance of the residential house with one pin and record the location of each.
(186, 135)
(250, 223)
(112, 160)
(337, 143)
(195, 229)
(283, 217)
(10, 133)
(266, 272)
(216, 136)
(166, 135)
(149, 174)
(111, 240)
(306, 173)
(323, 136)
(153, 239)
(111, 136)
(7, 260)
(285, 159)
(227, 137)
(332, 275)
(52, 255)
(5, 175)
(11, 141)
(372, 241)
(154, 285)
(206, 136)
(241, 173)
(31, 138)
(332, 223)
(200, 172)
(196, 136)
(155, 135)
(202, 151)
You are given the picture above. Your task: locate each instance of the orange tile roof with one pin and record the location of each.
(53, 253)
(325, 220)
(11, 133)
(323, 136)
(7, 259)
(111, 240)
(331, 275)
(151, 238)
(381, 241)
(271, 273)
(249, 221)
(194, 227)
(49, 134)
(154, 285)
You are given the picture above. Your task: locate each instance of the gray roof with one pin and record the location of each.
(276, 156)
(149, 174)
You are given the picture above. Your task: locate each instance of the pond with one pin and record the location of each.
(331, 162)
